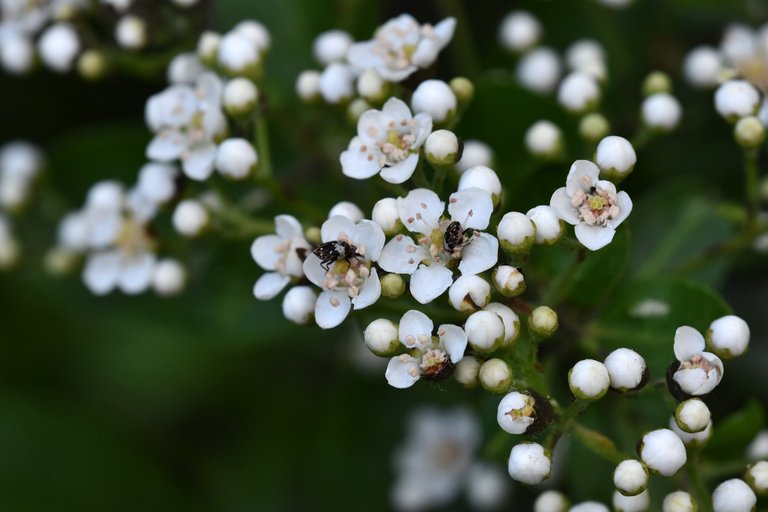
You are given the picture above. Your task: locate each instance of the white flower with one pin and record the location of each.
(516, 412)
(529, 463)
(550, 501)
(187, 120)
(728, 336)
(630, 477)
(157, 182)
(548, 225)
(388, 142)
(733, 495)
(544, 139)
(663, 451)
(58, 46)
(678, 501)
(401, 46)
(699, 372)
(519, 31)
(589, 379)
(347, 282)
(737, 98)
(430, 358)
(331, 46)
(434, 97)
(281, 255)
(626, 368)
(236, 158)
(702, 66)
(299, 304)
(591, 204)
(475, 154)
(615, 156)
(578, 92)
(336, 83)
(441, 242)
(692, 415)
(637, 503)
(469, 292)
(539, 70)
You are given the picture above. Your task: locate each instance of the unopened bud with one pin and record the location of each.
(656, 82)
(549, 227)
(240, 97)
(692, 415)
(616, 157)
(495, 376)
(442, 149)
(435, 98)
(92, 65)
(485, 331)
(483, 178)
(594, 127)
(392, 286)
(469, 293)
(510, 319)
(756, 477)
(373, 88)
(313, 235)
(543, 321)
(464, 90)
(467, 371)
(381, 338)
(749, 132)
(588, 379)
(509, 281)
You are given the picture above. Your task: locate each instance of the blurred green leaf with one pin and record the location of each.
(733, 433)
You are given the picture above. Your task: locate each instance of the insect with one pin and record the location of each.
(331, 252)
(454, 237)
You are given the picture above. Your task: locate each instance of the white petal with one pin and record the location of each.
(401, 255)
(368, 234)
(369, 292)
(415, 329)
(561, 203)
(198, 162)
(402, 371)
(444, 30)
(361, 55)
(356, 163)
(472, 207)
(429, 282)
(264, 253)
(396, 75)
(401, 171)
(136, 273)
(625, 208)
(166, 146)
(314, 271)
(294, 265)
(582, 176)
(288, 227)
(420, 210)
(372, 127)
(337, 227)
(694, 381)
(480, 254)
(422, 128)
(101, 272)
(269, 285)
(426, 53)
(594, 237)
(331, 309)
(454, 339)
(396, 108)
(688, 343)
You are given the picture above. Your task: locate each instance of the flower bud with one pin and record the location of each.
(509, 281)
(529, 463)
(483, 178)
(392, 286)
(313, 235)
(539, 70)
(510, 319)
(627, 370)
(636, 503)
(469, 293)
(549, 227)
(662, 451)
(10, 251)
(58, 47)
(169, 277)
(331, 46)
(630, 477)
(238, 56)
(372, 87)
(733, 495)
(435, 98)
(588, 379)
(661, 111)
(347, 209)
(336, 84)
(543, 321)
(594, 127)
(308, 85)
(487, 487)
(657, 82)
(495, 376)
(131, 32)
(240, 97)
(485, 331)
(544, 140)
(190, 218)
(579, 93)
(442, 149)
(299, 305)
(236, 158)
(728, 336)
(92, 65)
(692, 415)
(757, 477)
(105, 195)
(551, 501)
(679, 501)
(467, 371)
(58, 261)
(208, 47)
(516, 233)
(385, 215)
(17, 54)
(616, 157)
(356, 108)
(702, 67)
(758, 447)
(464, 90)
(736, 99)
(381, 338)
(474, 153)
(694, 440)
(519, 31)
(749, 132)
(516, 413)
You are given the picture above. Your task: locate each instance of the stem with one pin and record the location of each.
(560, 283)
(264, 170)
(419, 177)
(599, 444)
(702, 494)
(438, 178)
(564, 422)
(734, 244)
(752, 184)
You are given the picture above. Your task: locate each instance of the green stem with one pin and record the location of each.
(752, 183)
(438, 178)
(264, 171)
(702, 494)
(560, 284)
(642, 137)
(564, 422)
(733, 245)
(419, 177)
(599, 444)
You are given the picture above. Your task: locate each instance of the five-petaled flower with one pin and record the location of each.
(282, 253)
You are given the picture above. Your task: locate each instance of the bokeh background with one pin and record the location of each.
(212, 401)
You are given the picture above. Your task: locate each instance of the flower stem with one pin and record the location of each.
(702, 494)
(752, 183)
(565, 421)
(599, 444)
(438, 178)
(264, 170)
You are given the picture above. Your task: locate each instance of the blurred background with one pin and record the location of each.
(213, 401)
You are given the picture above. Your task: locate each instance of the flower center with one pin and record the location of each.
(398, 142)
(595, 207)
(436, 365)
(348, 274)
(700, 362)
(133, 238)
(448, 454)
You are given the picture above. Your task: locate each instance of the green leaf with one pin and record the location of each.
(733, 433)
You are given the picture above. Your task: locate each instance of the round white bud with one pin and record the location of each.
(58, 47)
(544, 139)
(385, 215)
(240, 97)
(728, 336)
(168, 277)
(463, 88)
(757, 477)
(758, 447)
(469, 292)
(749, 132)
(588, 379)
(734, 495)
(630, 477)
(487, 486)
(702, 67)
(510, 319)
(372, 87)
(587, 56)
(679, 501)
(256, 33)
(661, 111)
(657, 82)
(331, 46)
(593, 127)
(738, 43)
(299, 304)
(516, 232)
(208, 46)
(636, 503)
(509, 281)
(185, 3)
(519, 31)
(475, 153)
(467, 371)
(392, 286)
(356, 108)
(495, 376)
(17, 54)
(21, 160)
(237, 55)
(106, 195)
(539, 70)
(485, 331)
(578, 92)
(442, 148)
(190, 218)
(435, 98)
(589, 506)
(549, 227)
(347, 209)
(336, 83)
(529, 463)
(543, 321)
(550, 501)
(515, 413)
(615, 156)
(131, 32)
(736, 98)
(627, 369)
(381, 337)
(185, 68)
(692, 415)
(696, 439)
(483, 178)
(236, 158)
(662, 451)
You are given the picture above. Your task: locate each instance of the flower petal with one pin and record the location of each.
(594, 237)
(166, 146)
(263, 251)
(336, 228)
(288, 227)
(101, 272)
(420, 210)
(582, 176)
(396, 108)
(401, 255)
(314, 271)
(198, 162)
(561, 203)
(480, 254)
(269, 285)
(415, 330)
(472, 207)
(429, 282)
(402, 371)
(688, 343)
(454, 339)
(136, 273)
(401, 171)
(369, 238)
(331, 309)
(369, 292)
(625, 208)
(359, 164)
